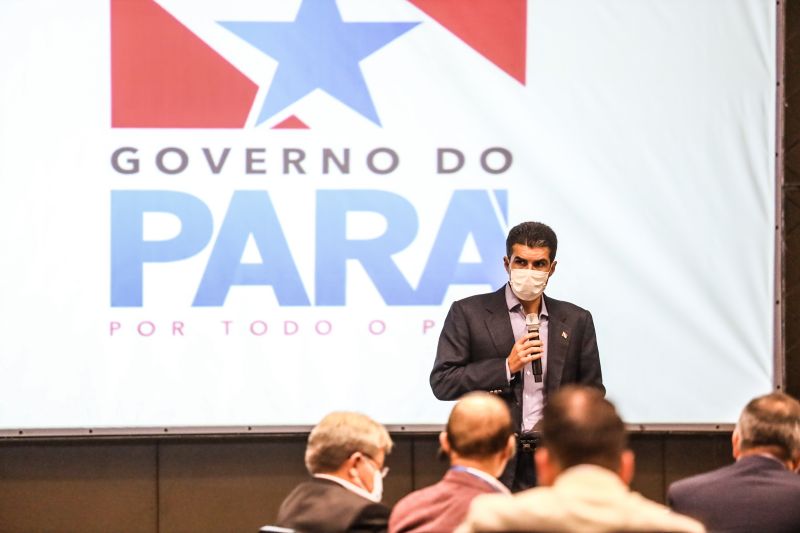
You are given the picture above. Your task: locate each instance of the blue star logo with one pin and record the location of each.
(318, 51)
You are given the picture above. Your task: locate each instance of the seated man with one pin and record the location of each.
(761, 490)
(345, 454)
(585, 469)
(479, 441)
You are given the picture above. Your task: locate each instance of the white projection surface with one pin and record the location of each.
(251, 213)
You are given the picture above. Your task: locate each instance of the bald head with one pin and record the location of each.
(479, 426)
(579, 426)
(771, 424)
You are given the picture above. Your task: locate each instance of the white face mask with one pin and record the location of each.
(376, 494)
(377, 486)
(527, 284)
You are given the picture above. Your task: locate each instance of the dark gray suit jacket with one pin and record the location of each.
(323, 506)
(477, 337)
(754, 494)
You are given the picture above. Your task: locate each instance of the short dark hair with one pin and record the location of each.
(479, 426)
(773, 422)
(579, 426)
(534, 235)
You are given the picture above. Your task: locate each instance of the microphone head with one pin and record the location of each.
(532, 321)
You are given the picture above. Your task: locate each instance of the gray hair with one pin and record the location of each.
(771, 421)
(339, 435)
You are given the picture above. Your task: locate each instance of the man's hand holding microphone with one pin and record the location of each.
(528, 349)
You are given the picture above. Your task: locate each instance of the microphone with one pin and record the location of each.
(532, 323)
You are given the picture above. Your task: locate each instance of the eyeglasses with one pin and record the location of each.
(384, 471)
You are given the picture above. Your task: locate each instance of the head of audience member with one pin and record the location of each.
(350, 446)
(479, 433)
(580, 427)
(770, 425)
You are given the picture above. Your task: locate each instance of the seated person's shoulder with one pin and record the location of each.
(372, 518)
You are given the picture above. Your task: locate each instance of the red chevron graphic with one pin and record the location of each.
(496, 29)
(164, 76)
(291, 123)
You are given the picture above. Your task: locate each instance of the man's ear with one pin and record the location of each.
(506, 263)
(736, 443)
(546, 471)
(349, 467)
(512, 446)
(505, 455)
(509, 451)
(627, 466)
(352, 460)
(553, 269)
(443, 444)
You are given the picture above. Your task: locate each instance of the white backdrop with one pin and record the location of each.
(644, 134)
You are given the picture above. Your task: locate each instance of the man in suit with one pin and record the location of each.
(584, 470)
(761, 490)
(345, 456)
(484, 344)
(479, 441)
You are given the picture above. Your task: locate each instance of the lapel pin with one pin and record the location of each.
(564, 334)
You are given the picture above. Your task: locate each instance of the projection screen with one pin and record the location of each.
(242, 215)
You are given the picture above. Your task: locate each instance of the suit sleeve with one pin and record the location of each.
(671, 498)
(674, 497)
(465, 360)
(589, 359)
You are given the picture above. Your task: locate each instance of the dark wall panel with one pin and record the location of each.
(400, 480)
(687, 455)
(791, 194)
(228, 484)
(649, 477)
(428, 468)
(78, 487)
(214, 486)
